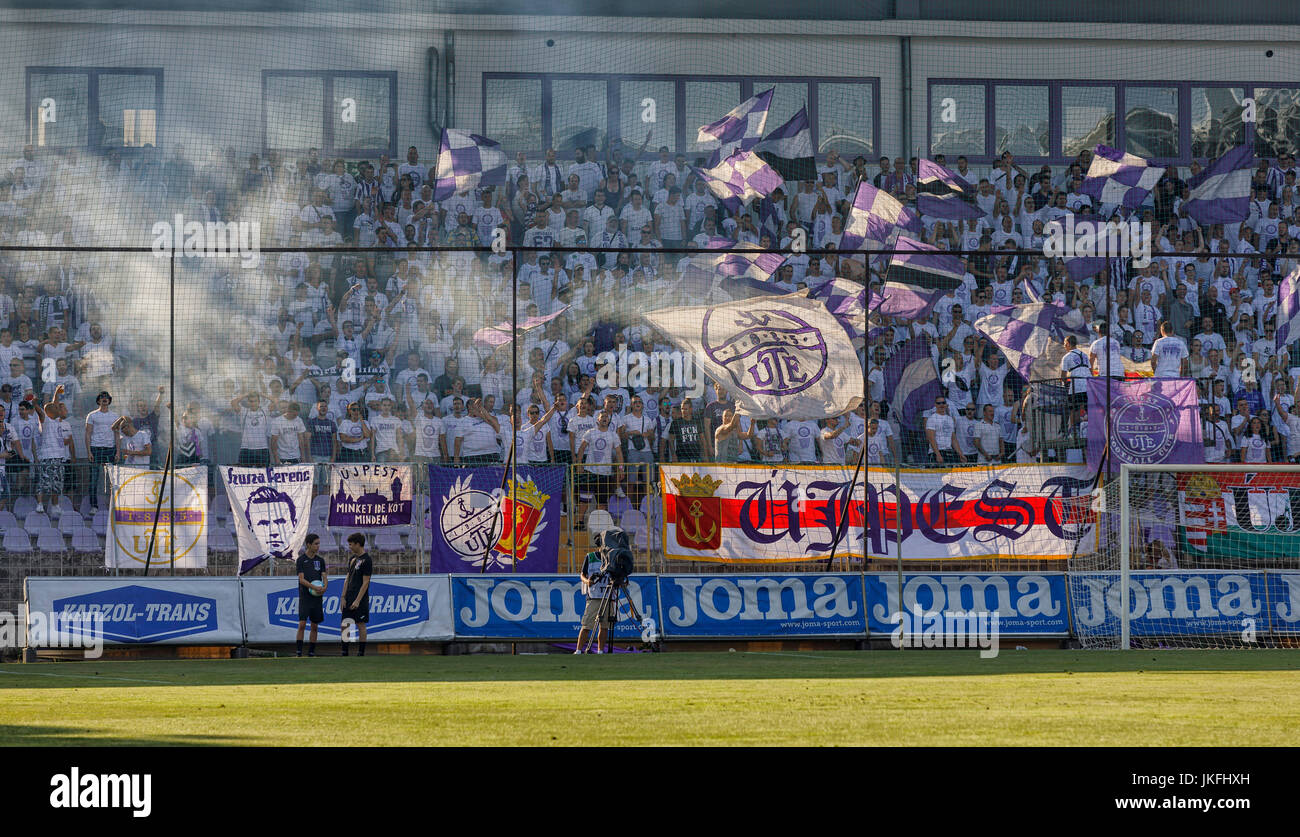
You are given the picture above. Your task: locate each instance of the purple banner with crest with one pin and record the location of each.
(1154, 421)
(471, 517)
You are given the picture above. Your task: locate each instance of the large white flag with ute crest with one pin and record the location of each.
(778, 356)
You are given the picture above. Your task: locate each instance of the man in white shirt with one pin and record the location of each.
(289, 436)
(988, 437)
(254, 423)
(53, 450)
(940, 432)
(1169, 355)
(1104, 354)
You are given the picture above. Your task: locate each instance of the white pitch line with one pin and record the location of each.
(85, 677)
(801, 656)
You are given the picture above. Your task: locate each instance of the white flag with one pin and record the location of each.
(271, 508)
(134, 506)
(778, 356)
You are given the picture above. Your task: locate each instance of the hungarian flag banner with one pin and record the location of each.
(1235, 517)
(751, 514)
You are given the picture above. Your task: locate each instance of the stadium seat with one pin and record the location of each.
(221, 506)
(7, 521)
(50, 542)
(24, 506)
(320, 505)
(17, 542)
(389, 542)
(618, 505)
(652, 508)
(36, 521)
(328, 543)
(70, 522)
(84, 540)
(85, 508)
(65, 504)
(633, 521)
(599, 520)
(99, 523)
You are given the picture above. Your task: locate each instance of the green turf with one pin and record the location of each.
(1152, 698)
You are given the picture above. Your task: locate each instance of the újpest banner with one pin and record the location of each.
(1238, 517)
(143, 504)
(370, 495)
(755, 514)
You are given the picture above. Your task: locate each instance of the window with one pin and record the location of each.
(579, 113)
(957, 119)
(787, 98)
(513, 113)
(93, 107)
(1021, 119)
(1277, 120)
(845, 115)
(341, 113)
(1216, 120)
(708, 101)
(1151, 122)
(1087, 118)
(634, 107)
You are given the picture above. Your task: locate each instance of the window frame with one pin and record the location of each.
(327, 78)
(1056, 156)
(681, 132)
(94, 127)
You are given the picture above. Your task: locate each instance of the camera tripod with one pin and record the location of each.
(607, 614)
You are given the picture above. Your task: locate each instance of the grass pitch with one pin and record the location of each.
(1155, 698)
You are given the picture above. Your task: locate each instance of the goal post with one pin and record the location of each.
(1191, 556)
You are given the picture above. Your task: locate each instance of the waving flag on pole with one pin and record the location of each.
(789, 149)
(1033, 336)
(874, 217)
(943, 194)
(847, 301)
(739, 130)
(1288, 314)
(500, 334)
(779, 356)
(756, 265)
(917, 278)
(911, 378)
(1118, 178)
(466, 161)
(1221, 193)
(769, 221)
(740, 178)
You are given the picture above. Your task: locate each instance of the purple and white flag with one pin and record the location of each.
(911, 381)
(467, 161)
(943, 194)
(740, 178)
(1153, 421)
(1221, 193)
(499, 334)
(769, 220)
(739, 130)
(779, 356)
(875, 217)
(756, 265)
(847, 301)
(789, 149)
(1288, 313)
(370, 495)
(1120, 179)
(904, 301)
(1033, 336)
(271, 508)
(924, 267)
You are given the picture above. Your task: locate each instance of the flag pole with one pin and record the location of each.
(843, 526)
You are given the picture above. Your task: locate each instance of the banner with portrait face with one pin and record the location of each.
(181, 519)
(271, 508)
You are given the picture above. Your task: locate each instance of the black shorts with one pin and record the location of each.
(255, 457)
(349, 455)
(1078, 399)
(311, 608)
(600, 486)
(361, 615)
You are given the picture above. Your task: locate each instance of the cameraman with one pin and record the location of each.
(595, 583)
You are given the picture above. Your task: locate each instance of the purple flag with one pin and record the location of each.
(769, 221)
(1118, 178)
(1288, 315)
(739, 130)
(1033, 336)
(911, 381)
(1221, 193)
(470, 516)
(740, 178)
(943, 194)
(756, 265)
(874, 218)
(789, 149)
(847, 300)
(924, 267)
(370, 495)
(499, 335)
(466, 161)
(1154, 421)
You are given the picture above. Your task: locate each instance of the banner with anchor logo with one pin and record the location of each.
(758, 514)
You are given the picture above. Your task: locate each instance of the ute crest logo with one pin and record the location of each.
(1145, 429)
(766, 350)
(474, 521)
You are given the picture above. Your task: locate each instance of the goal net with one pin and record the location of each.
(1191, 557)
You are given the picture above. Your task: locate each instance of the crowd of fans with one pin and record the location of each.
(371, 356)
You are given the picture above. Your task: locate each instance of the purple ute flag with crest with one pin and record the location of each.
(1221, 193)
(470, 516)
(1154, 421)
(467, 161)
(1121, 179)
